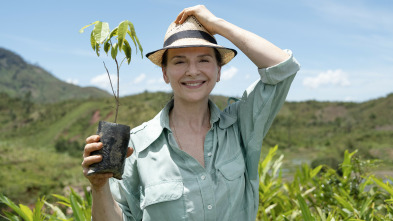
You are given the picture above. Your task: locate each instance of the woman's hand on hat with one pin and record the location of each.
(204, 16)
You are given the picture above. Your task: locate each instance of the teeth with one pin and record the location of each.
(193, 84)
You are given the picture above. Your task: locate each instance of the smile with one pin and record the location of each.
(193, 84)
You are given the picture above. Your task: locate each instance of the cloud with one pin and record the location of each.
(72, 81)
(102, 81)
(330, 77)
(140, 78)
(228, 73)
(158, 80)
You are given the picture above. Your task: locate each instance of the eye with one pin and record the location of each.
(204, 60)
(179, 62)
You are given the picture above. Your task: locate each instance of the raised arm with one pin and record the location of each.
(260, 51)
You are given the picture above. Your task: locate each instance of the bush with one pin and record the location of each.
(311, 195)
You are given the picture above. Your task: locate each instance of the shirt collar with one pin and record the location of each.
(144, 135)
(164, 116)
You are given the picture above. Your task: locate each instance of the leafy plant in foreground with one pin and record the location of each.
(312, 194)
(80, 207)
(316, 194)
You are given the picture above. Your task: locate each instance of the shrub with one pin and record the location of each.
(310, 195)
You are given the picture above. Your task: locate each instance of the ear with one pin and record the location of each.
(219, 74)
(164, 75)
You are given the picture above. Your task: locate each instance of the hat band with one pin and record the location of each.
(190, 34)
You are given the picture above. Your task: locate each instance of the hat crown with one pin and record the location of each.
(191, 23)
(190, 33)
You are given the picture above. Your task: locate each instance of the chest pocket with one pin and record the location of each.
(163, 197)
(233, 169)
(232, 183)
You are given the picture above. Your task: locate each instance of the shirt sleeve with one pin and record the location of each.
(126, 191)
(260, 104)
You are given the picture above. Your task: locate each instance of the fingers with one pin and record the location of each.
(87, 161)
(129, 151)
(93, 144)
(91, 147)
(93, 138)
(183, 15)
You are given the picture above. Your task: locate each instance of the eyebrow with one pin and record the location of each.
(199, 56)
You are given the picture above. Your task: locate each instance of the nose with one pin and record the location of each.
(193, 69)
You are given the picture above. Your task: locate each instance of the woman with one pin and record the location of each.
(192, 161)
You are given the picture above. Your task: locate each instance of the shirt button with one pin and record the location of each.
(209, 154)
(209, 206)
(203, 177)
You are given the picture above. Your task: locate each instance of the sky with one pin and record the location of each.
(344, 46)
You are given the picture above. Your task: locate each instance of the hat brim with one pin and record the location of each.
(227, 54)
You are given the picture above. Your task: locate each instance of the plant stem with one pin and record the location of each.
(113, 91)
(118, 82)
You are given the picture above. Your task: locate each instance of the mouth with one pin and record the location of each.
(193, 84)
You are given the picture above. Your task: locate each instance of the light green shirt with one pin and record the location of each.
(162, 182)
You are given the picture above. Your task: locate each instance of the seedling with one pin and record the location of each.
(115, 137)
(114, 41)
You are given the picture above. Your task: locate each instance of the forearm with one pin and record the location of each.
(104, 206)
(260, 51)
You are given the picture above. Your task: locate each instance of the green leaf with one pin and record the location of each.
(37, 215)
(386, 186)
(113, 33)
(304, 208)
(13, 206)
(344, 202)
(57, 211)
(92, 41)
(127, 50)
(135, 38)
(63, 198)
(88, 197)
(347, 165)
(114, 50)
(76, 208)
(107, 45)
(28, 213)
(10, 216)
(121, 33)
(267, 163)
(101, 32)
(315, 171)
(82, 29)
(98, 49)
(79, 198)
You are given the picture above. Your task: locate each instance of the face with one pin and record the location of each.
(192, 73)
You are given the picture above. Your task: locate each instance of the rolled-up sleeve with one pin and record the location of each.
(260, 104)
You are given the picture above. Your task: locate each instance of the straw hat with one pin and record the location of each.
(191, 33)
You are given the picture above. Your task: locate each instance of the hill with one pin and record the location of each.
(21, 79)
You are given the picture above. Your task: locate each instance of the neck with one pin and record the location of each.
(193, 115)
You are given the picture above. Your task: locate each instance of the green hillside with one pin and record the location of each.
(20, 79)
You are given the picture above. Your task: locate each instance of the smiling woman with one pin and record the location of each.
(193, 161)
